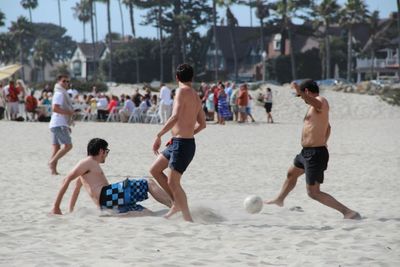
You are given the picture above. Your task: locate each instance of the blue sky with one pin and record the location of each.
(47, 12)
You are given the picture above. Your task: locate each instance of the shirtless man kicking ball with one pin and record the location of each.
(122, 197)
(313, 158)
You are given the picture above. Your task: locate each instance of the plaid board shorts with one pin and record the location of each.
(123, 196)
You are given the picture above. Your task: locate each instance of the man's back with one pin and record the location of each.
(189, 106)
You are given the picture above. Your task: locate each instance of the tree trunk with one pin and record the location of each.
(328, 57)
(251, 14)
(109, 41)
(30, 14)
(284, 28)
(398, 31)
(292, 58)
(59, 13)
(233, 45)
(349, 54)
(43, 74)
(122, 19)
(21, 59)
(215, 39)
(84, 32)
(95, 20)
(93, 43)
(183, 45)
(131, 18)
(161, 45)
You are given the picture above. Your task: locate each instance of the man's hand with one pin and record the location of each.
(56, 211)
(156, 145)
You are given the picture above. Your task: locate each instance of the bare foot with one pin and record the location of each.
(53, 168)
(171, 212)
(352, 215)
(275, 201)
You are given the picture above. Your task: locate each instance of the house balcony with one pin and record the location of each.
(377, 64)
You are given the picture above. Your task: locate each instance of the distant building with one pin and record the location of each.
(82, 62)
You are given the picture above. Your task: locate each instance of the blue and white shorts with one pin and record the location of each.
(123, 196)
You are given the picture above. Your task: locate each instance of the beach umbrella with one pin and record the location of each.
(8, 71)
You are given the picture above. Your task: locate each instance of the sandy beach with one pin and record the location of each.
(231, 162)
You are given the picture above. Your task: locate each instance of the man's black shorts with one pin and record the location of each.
(314, 161)
(180, 153)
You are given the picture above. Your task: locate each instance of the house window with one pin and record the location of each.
(277, 42)
(77, 68)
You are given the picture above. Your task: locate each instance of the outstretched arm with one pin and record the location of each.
(75, 195)
(79, 170)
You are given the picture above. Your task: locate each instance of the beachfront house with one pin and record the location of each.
(83, 63)
(379, 57)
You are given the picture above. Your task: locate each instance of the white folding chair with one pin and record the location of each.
(113, 115)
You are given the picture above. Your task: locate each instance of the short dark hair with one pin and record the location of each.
(309, 84)
(61, 76)
(94, 146)
(184, 73)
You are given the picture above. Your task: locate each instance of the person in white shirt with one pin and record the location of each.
(165, 103)
(60, 122)
(127, 110)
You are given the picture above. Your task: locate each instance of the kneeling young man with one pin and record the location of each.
(121, 196)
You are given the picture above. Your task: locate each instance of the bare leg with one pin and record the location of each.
(52, 164)
(159, 194)
(157, 171)
(290, 182)
(58, 155)
(180, 198)
(315, 193)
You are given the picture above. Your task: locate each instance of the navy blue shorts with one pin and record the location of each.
(179, 153)
(314, 161)
(123, 196)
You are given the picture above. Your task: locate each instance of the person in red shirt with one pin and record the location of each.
(242, 101)
(31, 104)
(12, 99)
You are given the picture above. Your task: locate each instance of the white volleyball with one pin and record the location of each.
(253, 204)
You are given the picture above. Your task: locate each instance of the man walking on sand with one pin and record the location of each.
(122, 196)
(313, 158)
(187, 119)
(60, 122)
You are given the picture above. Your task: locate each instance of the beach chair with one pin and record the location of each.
(89, 114)
(113, 115)
(135, 115)
(153, 117)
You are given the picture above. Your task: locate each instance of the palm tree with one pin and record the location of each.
(398, 31)
(354, 12)
(130, 4)
(122, 18)
(8, 51)
(107, 2)
(42, 54)
(373, 23)
(232, 23)
(82, 13)
(2, 19)
(59, 12)
(262, 11)
(29, 4)
(326, 13)
(21, 30)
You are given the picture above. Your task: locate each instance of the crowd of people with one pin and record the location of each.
(222, 101)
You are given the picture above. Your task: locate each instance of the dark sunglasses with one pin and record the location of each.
(65, 81)
(107, 150)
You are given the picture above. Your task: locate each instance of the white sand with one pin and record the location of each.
(231, 162)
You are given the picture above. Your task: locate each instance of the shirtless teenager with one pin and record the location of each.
(121, 196)
(187, 119)
(313, 158)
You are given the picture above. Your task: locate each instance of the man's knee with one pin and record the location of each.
(312, 193)
(68, 147)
